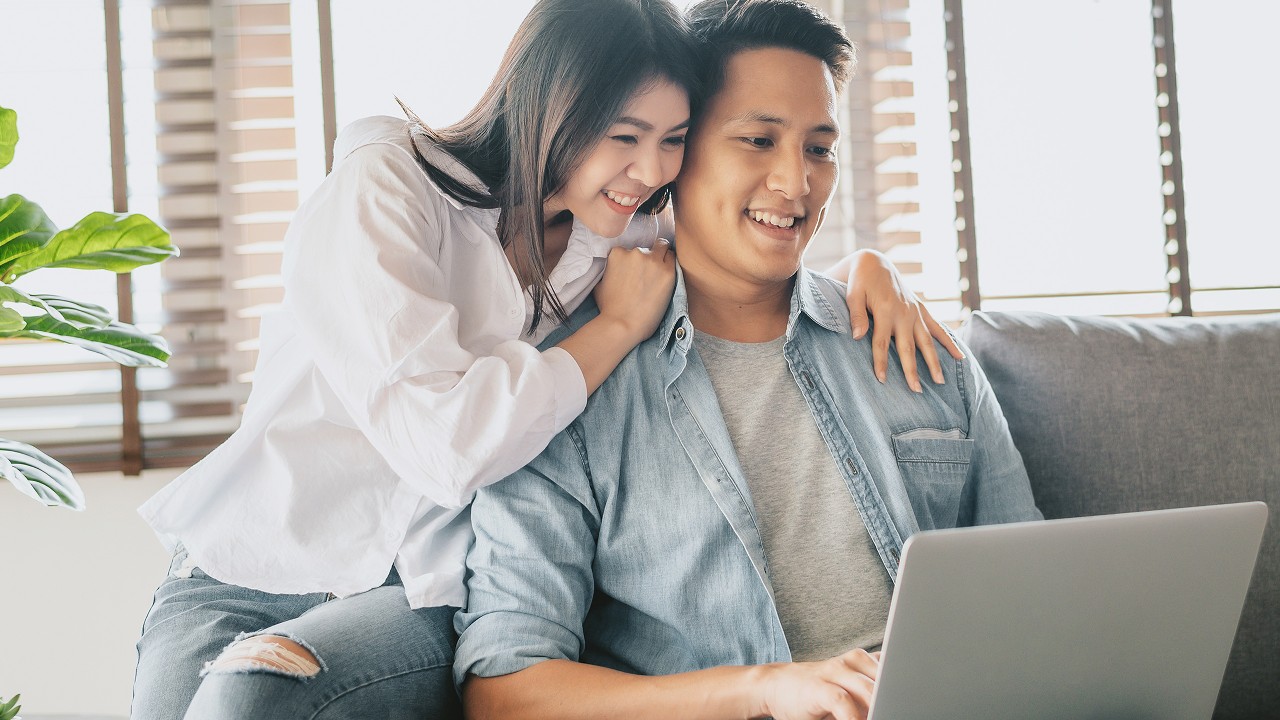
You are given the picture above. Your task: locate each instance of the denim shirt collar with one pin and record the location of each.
(806, 298)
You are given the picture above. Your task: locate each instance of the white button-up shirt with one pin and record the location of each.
(395, 380)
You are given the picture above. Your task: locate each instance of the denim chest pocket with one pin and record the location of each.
(934, 466)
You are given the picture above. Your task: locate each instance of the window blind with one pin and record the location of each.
(228, 187)
(877, 203)
(198, 95)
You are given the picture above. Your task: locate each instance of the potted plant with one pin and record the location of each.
(9, 710)
(29, 241)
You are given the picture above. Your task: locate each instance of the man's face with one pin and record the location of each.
(760, 168)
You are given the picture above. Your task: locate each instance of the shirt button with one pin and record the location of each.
(853, 468)
(680, 333)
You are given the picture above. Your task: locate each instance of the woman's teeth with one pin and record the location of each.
(623, 200)
(774, 220)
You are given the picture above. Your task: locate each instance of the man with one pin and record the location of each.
(718, 533)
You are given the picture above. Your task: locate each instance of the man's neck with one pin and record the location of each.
(736, 309)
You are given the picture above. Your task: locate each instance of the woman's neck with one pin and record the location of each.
(555, 240)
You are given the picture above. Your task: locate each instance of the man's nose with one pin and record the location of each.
(789, 174)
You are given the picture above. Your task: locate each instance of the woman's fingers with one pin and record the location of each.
(925, 343)
(858, 320)
(940, 333)
(904, 339)
(880, 337)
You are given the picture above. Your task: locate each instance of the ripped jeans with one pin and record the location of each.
(367, 655)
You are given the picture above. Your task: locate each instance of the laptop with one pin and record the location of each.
(1115, 617)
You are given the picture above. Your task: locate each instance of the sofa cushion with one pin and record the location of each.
(1118, 415)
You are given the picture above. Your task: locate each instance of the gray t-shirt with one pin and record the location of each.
(831, 590)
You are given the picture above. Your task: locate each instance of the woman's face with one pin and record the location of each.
(640, 153)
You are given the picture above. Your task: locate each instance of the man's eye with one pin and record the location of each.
(820, 151)
(626, 139)
(760, 142)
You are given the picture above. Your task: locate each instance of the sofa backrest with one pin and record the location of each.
(1119, 415)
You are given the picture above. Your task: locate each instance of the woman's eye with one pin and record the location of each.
(760, 142)
(627, 139)
(677, 141)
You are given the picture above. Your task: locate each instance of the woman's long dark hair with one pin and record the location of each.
(566, 77)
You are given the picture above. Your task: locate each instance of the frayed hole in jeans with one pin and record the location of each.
(266, 653)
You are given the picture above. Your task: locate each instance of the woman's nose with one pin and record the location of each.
(647, 168)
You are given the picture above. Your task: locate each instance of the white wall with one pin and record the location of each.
(74, 588)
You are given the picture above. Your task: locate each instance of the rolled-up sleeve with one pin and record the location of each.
(529, 574)
(998, 490)
(366, 283)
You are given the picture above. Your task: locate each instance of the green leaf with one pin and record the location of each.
(11, 321)
(120, 342)
(9, 710)
(24, 229)
(73, 312)
(8, 135)
(76, 312)
(39, 476)
(80, 323)
(13, 295)
(100, 241)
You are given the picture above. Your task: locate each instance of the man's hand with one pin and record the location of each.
(838, 688)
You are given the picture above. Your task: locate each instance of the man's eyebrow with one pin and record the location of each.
(756, 116)
(760, 117)
(644, 125)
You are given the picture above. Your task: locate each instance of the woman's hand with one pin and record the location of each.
(875, 286)
(636, 288)
(633, 296)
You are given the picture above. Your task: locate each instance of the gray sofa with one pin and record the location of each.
(1118, 415)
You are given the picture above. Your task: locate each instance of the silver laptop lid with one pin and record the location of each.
(1118, 616)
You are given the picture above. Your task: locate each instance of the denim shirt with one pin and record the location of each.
(632, 541)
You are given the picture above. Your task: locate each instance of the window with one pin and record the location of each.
(52, 392)
(1007, 154)
(1056, 192)
(1229, 163)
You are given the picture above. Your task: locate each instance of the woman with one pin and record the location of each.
(319, 552)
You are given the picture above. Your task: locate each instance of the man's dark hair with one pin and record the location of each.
(726, 27)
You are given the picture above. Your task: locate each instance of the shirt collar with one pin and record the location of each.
(450, 166)
(677, 312)
(806, 298)
(585, 243)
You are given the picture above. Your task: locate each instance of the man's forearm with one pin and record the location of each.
(565, 690)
